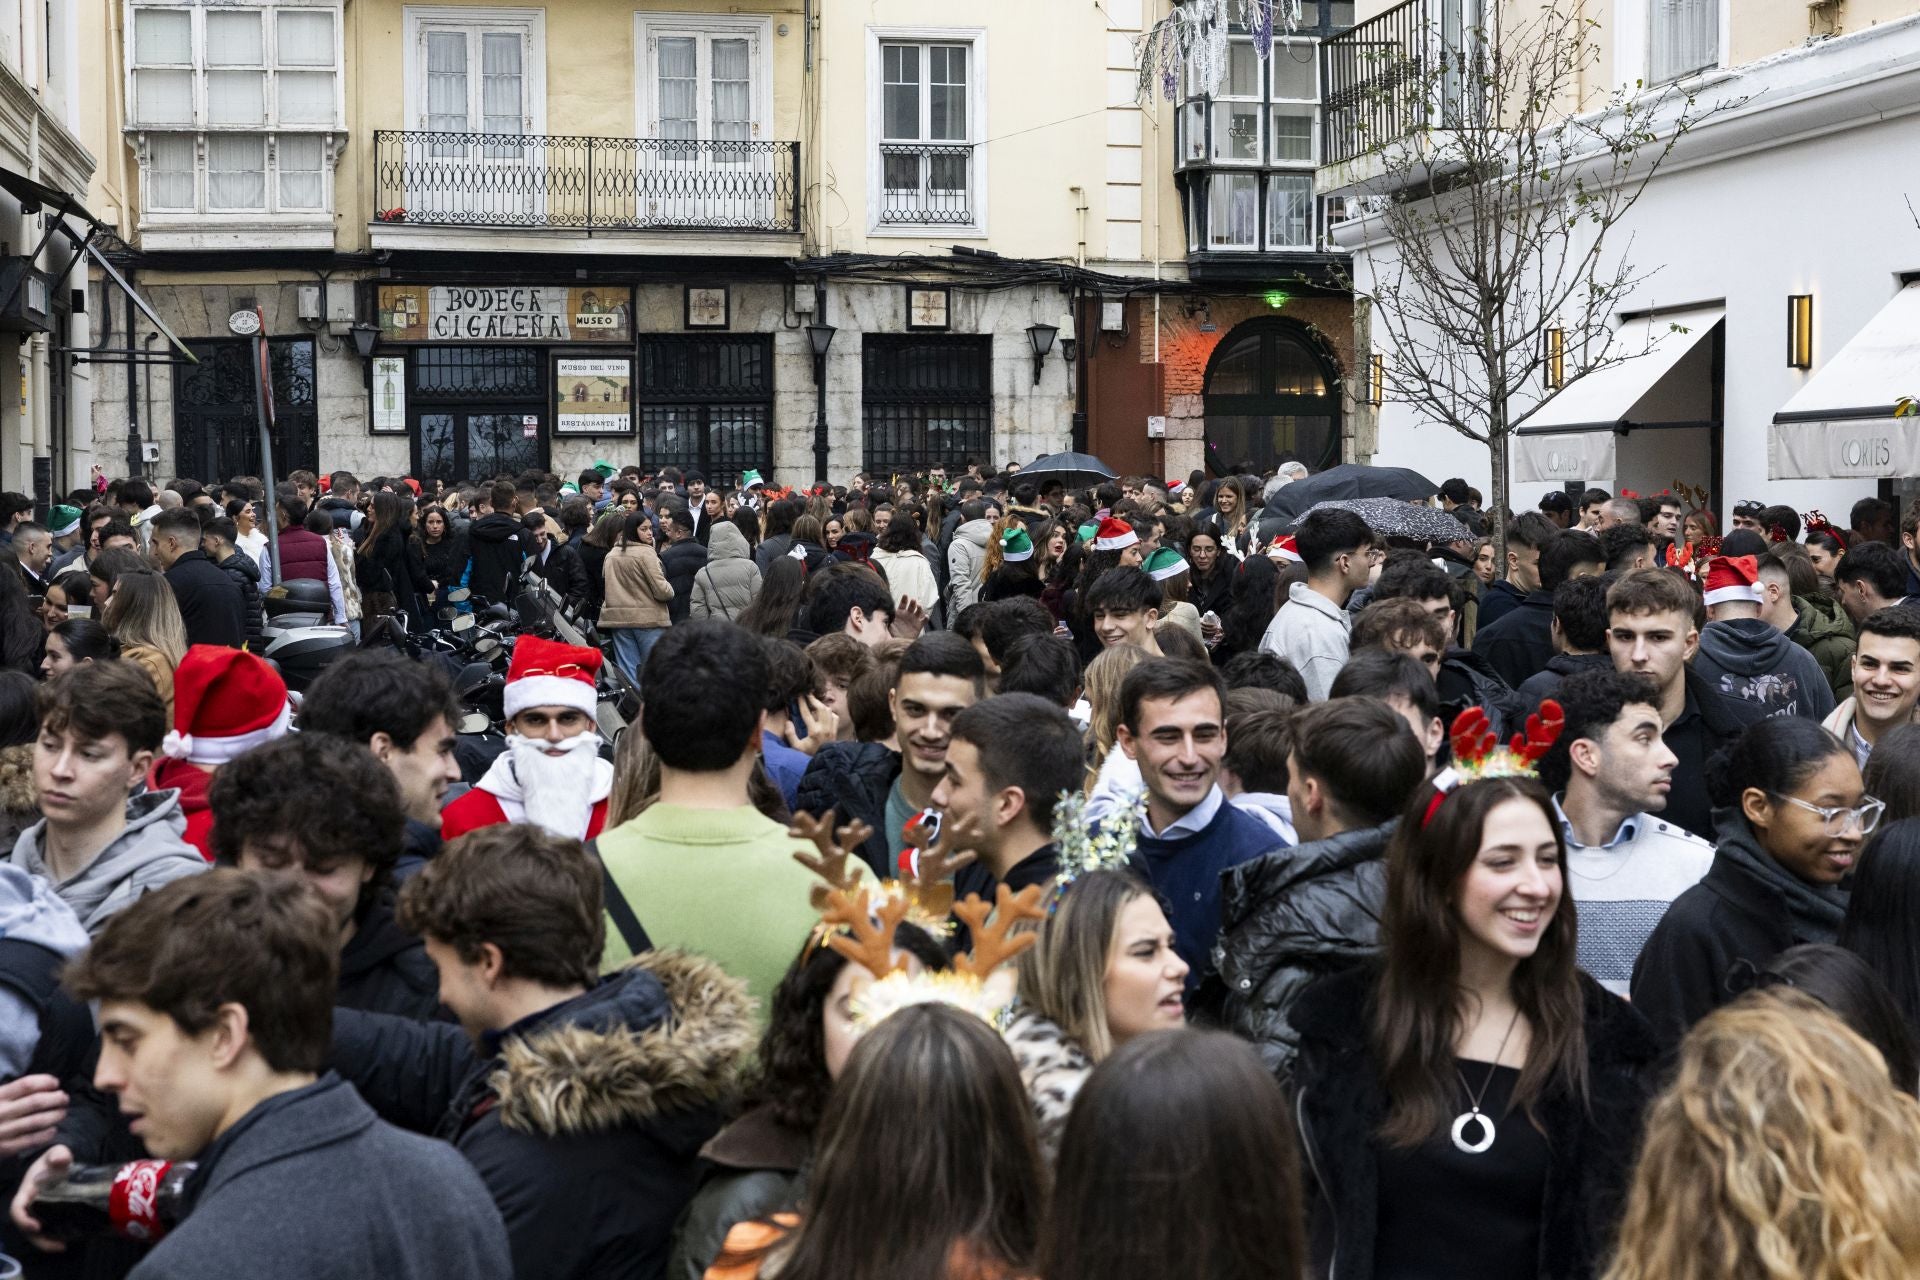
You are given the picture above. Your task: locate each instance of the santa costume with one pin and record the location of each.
(226, 702)
(562, 786)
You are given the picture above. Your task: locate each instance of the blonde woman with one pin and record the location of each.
(1113, 778)
(145, 618)
(1104, 972)
(1781, 1151)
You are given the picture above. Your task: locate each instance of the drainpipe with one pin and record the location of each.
(133, 401)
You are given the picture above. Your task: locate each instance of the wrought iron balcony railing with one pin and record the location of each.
(1376, 82)
(533, 180)
(927, 184)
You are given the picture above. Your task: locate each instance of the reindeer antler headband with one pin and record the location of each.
(1477, 754)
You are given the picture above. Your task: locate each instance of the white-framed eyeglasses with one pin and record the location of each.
(1836, 820)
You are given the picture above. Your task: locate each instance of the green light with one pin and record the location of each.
(1278, 298)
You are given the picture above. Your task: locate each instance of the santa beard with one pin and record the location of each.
(556, 790)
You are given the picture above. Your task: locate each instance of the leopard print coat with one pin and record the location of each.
(1053, 1068)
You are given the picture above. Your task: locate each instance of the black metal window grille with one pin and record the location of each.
(216, 432)
(706, 403)
(927, 400)
(479, 373)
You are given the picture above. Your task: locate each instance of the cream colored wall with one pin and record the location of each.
(1762, 27)
(590, 80)
(1047, 92)
(116, 175)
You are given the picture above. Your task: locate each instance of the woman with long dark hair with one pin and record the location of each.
(73, 642)
(388, 568)
(756, 1164)
(926, 1165)
(1178, 1163)
(1849, 987)
(774, 608)
(1255, 598)
(1790, 816)
(593, 555)
(1210, 580)
(443, 548)
(1469, 1105)
(1892, 774)
(1882, 924)
(634, 615)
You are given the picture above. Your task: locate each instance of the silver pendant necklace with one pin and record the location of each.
(1474, 1116)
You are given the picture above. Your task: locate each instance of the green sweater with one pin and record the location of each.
(721, 882)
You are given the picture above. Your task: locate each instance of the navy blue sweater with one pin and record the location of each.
(1185, 871)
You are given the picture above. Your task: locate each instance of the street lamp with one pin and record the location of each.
(820, 337)
(1040, 336)
(366, 337)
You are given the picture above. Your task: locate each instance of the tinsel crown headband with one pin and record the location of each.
(1478, 755)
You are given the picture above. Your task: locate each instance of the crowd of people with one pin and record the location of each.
(1002, 879)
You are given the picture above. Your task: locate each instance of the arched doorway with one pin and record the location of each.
(1272, 396)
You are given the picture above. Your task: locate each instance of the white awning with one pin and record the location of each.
(1564, 456)
(1840, 425)
(1612, 397)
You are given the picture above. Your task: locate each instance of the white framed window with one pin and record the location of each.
(1250, 144)
(1237, 109)
(927, 125)
(476, 71)
(235, 110)
(1683, 36)
(703, 77)
(1233, 211)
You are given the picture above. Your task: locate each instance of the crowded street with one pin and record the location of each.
(1165, 640)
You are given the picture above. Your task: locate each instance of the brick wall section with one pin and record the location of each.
(1185, 350)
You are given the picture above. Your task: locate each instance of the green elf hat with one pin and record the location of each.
(1086, 531)
(1165, 563)
(606, 469)
(62, 521)
(751, 480)
(1015, 545)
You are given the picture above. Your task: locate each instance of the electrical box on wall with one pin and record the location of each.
(340, 305)
(1157, 427)
(149, 451)
(1113, 316)
(310, 302)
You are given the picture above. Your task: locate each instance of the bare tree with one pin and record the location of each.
(1502, 179)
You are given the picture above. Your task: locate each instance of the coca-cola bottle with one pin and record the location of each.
(139, 1200)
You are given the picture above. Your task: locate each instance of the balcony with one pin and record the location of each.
(713, 193)
(1396, 78)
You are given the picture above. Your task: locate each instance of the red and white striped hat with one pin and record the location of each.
(1284, 549)
(226, 702)
(1733, 578)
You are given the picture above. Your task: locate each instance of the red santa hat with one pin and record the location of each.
(1733, 578)
(226, 702)
(545, 673)
(1114, 534)
(1284, 549)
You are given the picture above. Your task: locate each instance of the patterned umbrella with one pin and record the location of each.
(1392, 517)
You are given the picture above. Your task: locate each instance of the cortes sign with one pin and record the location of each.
(505, 313)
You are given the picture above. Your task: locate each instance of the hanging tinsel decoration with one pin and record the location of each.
(1194, 36)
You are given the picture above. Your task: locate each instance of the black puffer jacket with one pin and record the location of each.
(852, 779)
(1287, 918)
(1340, 1106)
(245, 572)
(587, 1120)
(384, 969)
(496, 550)
(1466, 680)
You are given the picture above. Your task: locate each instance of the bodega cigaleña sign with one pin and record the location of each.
(505, 313)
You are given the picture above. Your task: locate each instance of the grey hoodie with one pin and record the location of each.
(148, 853)
(966, 556)
(1758, 673)
(728, 582)
(30, 911)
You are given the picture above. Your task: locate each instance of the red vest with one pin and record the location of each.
(300, 554)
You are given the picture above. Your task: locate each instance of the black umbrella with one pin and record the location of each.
(1075, 470)
(1391, 517)
(1348, 480)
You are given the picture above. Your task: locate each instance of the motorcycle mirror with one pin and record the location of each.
(459, 595)
(464, 622)
(487, 645)
(475, 722)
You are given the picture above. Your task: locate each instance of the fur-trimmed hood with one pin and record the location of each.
(17, 794)
(613, 1058)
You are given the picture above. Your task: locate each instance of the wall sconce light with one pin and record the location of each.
(1554, 355)
(1040, 337)
(366, 338)
(820, 337)
(1800, 331)
(1377, 381)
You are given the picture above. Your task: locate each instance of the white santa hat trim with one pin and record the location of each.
(1741, 591)
(549, 691)
(218, 751)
